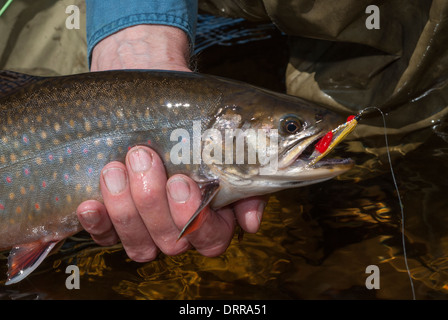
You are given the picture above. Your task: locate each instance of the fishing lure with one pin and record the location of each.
(333, 138)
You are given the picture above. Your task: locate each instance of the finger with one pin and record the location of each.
(147, 180)
(249, 213)
(216, 231)
(125, 218)
(93, 217)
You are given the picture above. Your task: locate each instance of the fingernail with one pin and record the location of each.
(140, 160)
(90, 217)
(115, 179)
(179, 190)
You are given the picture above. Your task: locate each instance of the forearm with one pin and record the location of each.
(143, 47)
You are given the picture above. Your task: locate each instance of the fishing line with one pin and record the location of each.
(403, 238)
(3, 9)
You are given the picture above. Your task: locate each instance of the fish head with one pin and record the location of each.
(276, 134)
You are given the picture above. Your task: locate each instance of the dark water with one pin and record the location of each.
(314, 242)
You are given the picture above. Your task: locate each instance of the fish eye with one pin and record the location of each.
(290, 124)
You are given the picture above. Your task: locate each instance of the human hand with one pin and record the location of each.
(146, 211)
(141, 207)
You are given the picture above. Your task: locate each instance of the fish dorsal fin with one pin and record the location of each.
(11, 81)
(24, 259)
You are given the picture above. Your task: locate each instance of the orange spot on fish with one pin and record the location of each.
(37, 206)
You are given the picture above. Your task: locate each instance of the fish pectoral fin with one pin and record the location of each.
(25, 258)
(208, 189)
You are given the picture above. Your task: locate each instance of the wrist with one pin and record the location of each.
(143, 47)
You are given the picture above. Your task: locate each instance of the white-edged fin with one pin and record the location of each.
(209, 190)
(24, 259)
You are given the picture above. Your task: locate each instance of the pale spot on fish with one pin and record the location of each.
(69, 198)
(12, 196)
(5, 139)
(88, 189)
(22, 190)
(87, 126)
(13, 157)
(71, 123)
(39, 161)
(39, 118)
(57, 127)
(100, 156)
(43, 135)
(77, 167)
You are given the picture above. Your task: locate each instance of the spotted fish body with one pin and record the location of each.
(57, 133)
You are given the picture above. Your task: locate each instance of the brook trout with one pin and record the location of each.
(57, 133)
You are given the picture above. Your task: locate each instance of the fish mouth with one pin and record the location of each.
(306, 159)
(312, 151)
